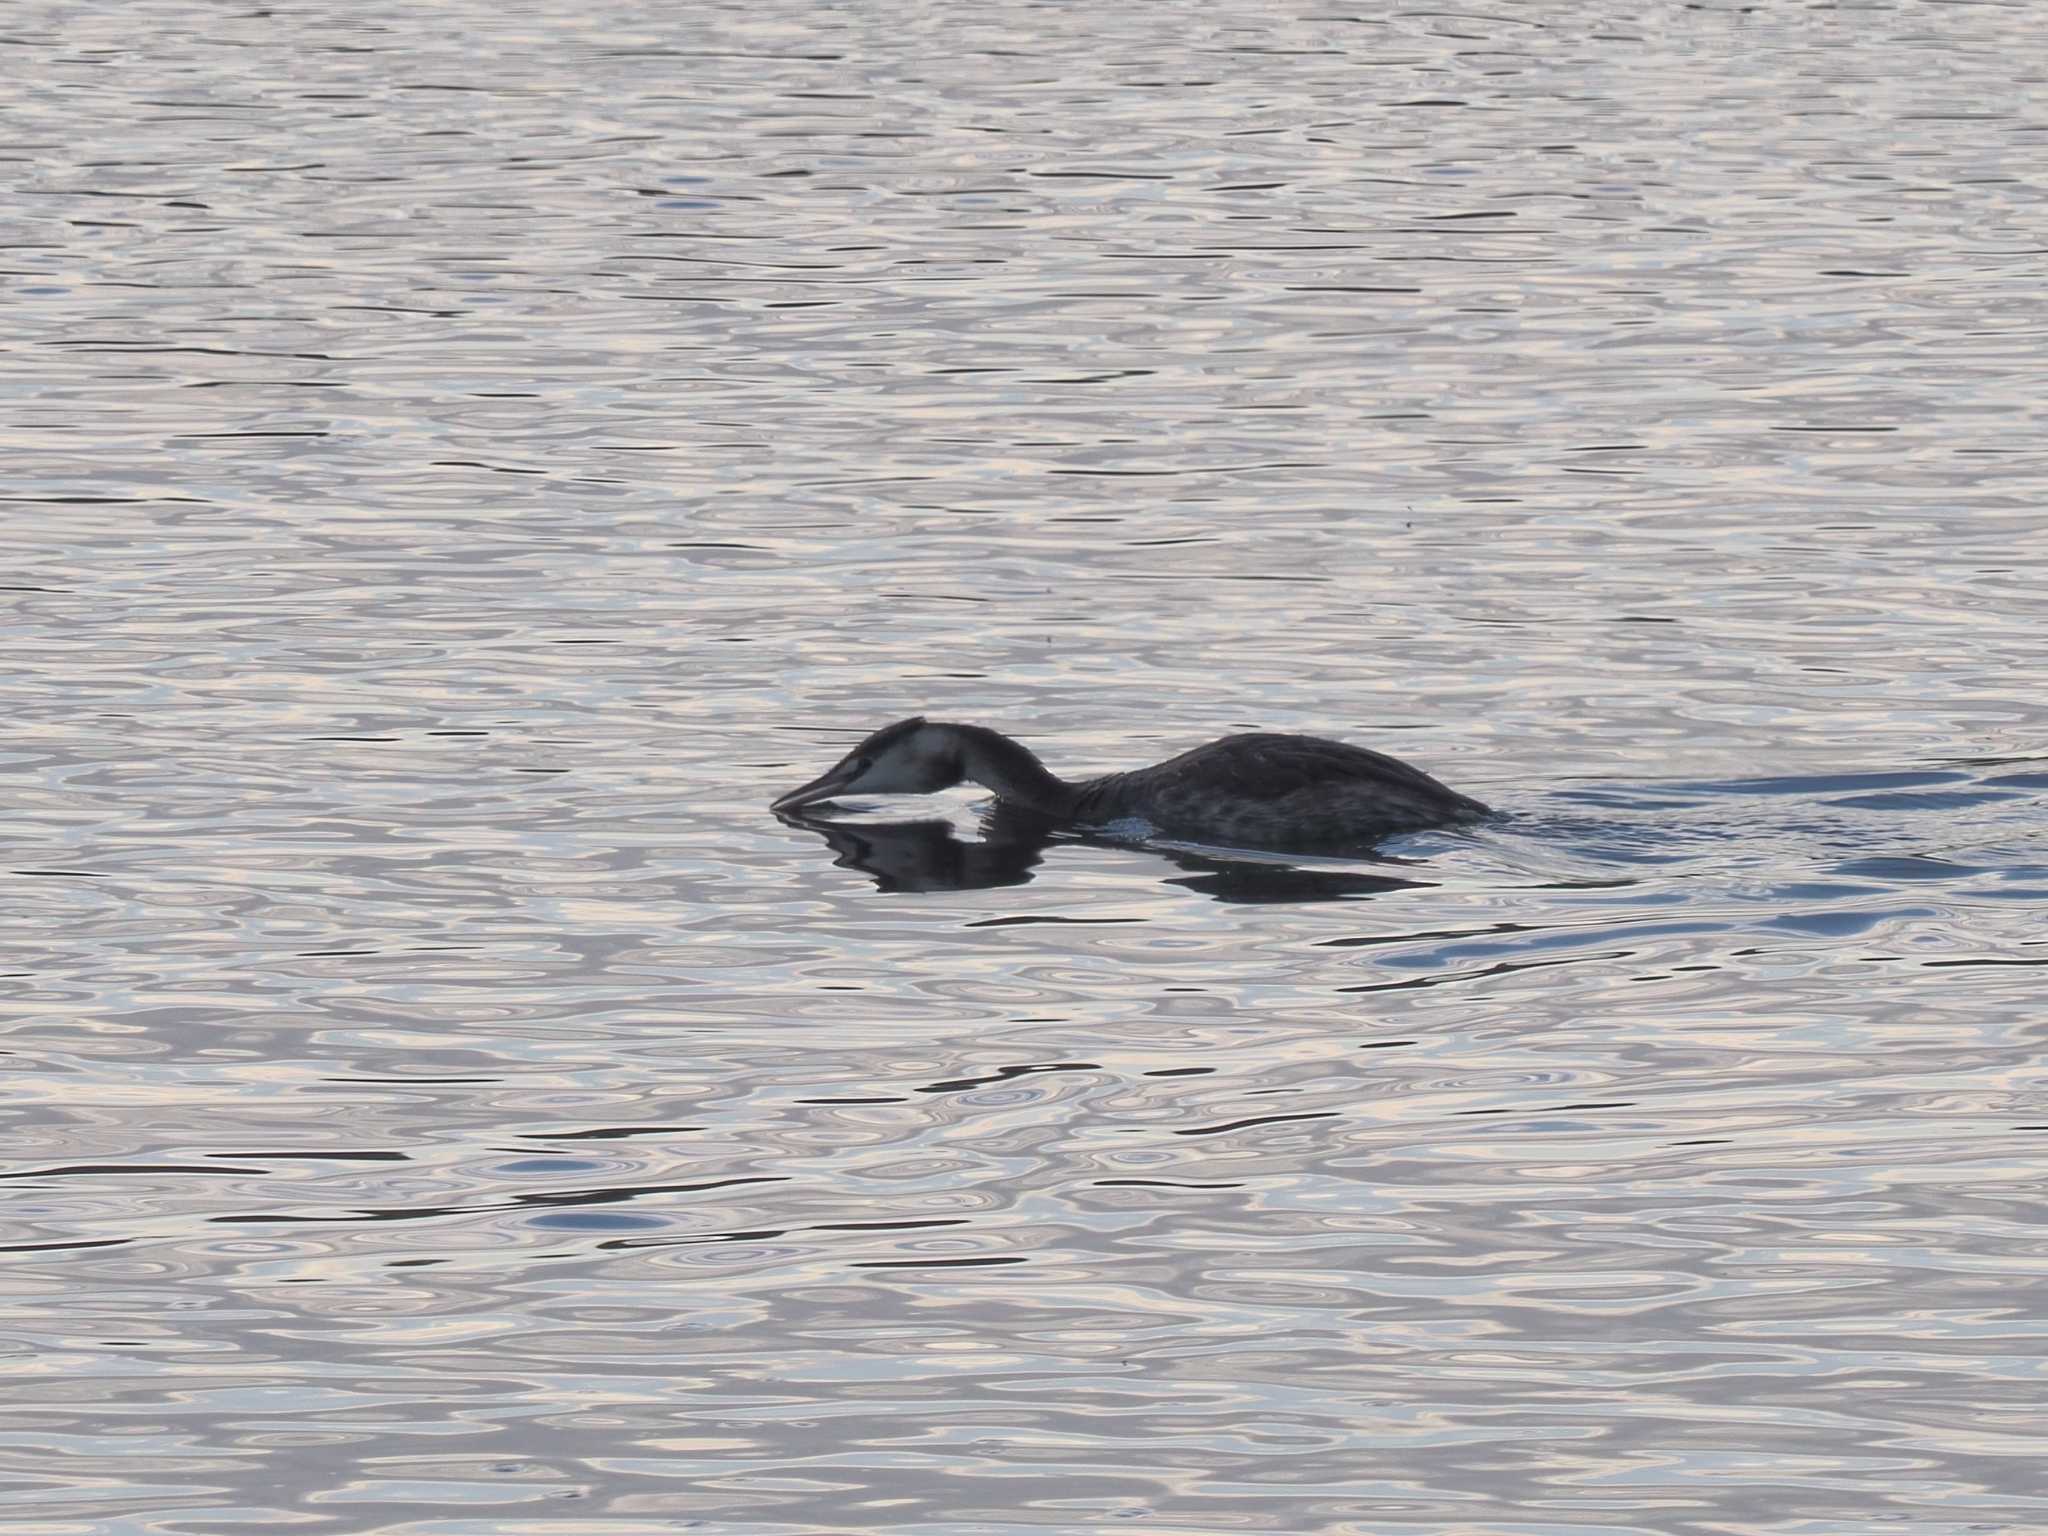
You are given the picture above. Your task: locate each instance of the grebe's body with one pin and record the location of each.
(1262, 790)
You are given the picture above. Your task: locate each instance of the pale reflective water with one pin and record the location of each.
(461, 461)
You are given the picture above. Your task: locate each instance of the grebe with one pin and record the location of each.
(1263, 790)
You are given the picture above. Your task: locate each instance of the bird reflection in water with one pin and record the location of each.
(930, 855)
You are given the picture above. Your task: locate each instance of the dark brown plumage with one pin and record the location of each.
(1252, 788)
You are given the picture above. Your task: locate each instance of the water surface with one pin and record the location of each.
(462, 463)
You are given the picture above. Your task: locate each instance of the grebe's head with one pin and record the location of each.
(911, 757)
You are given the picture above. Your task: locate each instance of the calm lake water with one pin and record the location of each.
(460, 462)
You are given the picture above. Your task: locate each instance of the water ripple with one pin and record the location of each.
(459, 472)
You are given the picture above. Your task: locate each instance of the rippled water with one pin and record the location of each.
(462, 461)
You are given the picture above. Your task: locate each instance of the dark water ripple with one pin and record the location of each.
(459, 466)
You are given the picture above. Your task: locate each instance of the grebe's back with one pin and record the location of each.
(1264, 789)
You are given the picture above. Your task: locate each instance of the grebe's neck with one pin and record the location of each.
(1010, 769)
